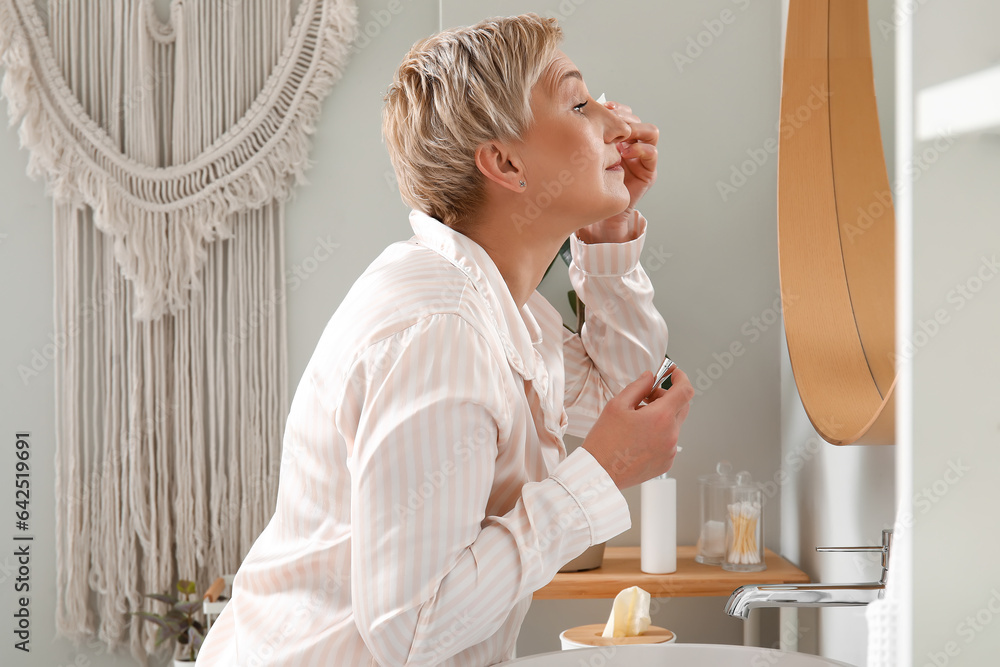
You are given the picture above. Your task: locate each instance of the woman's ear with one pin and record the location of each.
(501, 164)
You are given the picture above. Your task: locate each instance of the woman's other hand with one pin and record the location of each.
(635, 441)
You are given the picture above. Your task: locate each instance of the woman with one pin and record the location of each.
(425, 490)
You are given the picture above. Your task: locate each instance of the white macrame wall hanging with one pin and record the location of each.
(169, 150)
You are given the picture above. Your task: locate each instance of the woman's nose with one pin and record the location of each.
(615, 128)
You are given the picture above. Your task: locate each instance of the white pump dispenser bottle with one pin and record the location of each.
(658, 529)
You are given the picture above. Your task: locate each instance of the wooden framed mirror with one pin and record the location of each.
(836, 226)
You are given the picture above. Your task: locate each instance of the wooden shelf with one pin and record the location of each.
(621, 570)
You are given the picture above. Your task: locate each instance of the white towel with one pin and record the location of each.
(882, 615)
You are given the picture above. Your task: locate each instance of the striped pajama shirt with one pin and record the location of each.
(425, 492)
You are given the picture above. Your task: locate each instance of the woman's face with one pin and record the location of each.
(570, 151)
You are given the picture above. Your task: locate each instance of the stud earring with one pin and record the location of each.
(523, 183)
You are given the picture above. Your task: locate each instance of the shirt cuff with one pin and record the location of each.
(611, 259)
(590, 485)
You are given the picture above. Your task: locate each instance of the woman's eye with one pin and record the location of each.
(579, 107)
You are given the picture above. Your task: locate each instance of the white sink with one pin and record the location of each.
(675, 655)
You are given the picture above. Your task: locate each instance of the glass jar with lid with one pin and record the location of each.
(714, 490)
(744, 527)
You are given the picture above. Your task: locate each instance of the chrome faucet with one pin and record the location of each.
(746, 598)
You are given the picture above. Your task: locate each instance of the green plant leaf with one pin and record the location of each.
(188, 607)
(572, 300)
(186, 587)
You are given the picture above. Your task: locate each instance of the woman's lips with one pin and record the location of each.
(617, 166)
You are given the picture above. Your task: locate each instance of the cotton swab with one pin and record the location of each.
(743, 549)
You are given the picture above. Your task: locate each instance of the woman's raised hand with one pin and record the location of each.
(639, 162)
(638, 153)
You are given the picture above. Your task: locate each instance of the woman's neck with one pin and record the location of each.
(522, 255)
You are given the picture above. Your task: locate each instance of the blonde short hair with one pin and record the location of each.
(454, 91)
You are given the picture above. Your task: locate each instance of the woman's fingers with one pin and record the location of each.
(638, 151)
(618, 106)
(640, 156)
(645, 152)
(644, 132)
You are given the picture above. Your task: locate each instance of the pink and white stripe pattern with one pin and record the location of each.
(425, 491)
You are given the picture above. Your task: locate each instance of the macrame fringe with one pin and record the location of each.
(262, 159)
(171, 379)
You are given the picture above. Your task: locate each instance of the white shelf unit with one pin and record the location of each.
(213, 609)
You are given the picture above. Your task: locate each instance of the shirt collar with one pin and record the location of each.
(517, 327)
